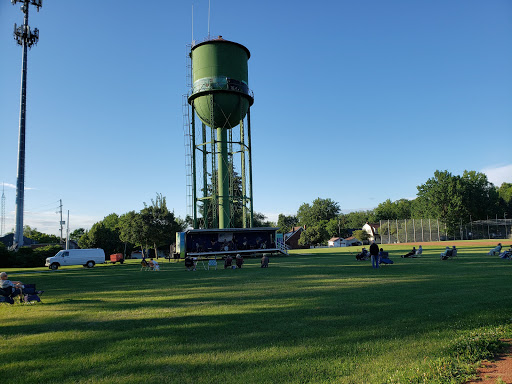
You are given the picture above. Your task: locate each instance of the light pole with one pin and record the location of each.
(26, 38)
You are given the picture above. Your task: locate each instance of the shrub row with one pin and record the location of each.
(26, 257)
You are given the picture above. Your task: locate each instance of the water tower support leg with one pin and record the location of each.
(242, 172)
(223, 177)
(251, 212)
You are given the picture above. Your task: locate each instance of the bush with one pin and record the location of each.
(360, 235)
(26, 257)
(40, 254)
(7, 259)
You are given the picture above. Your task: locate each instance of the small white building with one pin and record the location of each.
(341, 242)
(351, 241)
(334, 242)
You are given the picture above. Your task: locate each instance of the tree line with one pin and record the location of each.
(153, 227)
(446, 197)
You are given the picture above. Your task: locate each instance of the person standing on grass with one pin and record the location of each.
(374, 252)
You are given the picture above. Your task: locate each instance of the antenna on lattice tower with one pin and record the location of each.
(2, 219)
(209, 6)
(25, 37)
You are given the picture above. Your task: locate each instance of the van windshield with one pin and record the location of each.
(59, 253)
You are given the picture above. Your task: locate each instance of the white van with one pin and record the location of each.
(86, 257)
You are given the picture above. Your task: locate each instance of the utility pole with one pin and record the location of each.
(26, 38)
(67, 233)
(61, 222)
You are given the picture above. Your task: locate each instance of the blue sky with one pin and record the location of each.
(357, 101)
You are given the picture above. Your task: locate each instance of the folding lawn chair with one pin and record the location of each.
(144, 266)
(30, 295)
(212, 264)
(5, 295)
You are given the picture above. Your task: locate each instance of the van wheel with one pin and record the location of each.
(54, 266)
(121, 261)
(90, 264)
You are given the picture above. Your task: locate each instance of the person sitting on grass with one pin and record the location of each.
(228, 261)
(190, 264)
(264, 261)
(11, 288)
(154, 264)
(506, 254)
(419, 252)
(363, 255)
(495, 251)
(410, 254)
(384, 257)
(446, 254)
(239, 261)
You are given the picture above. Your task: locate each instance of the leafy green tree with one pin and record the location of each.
(320, 209)
(333, 227)
(105, 235)
(357, 219)
(77, 234)
(441, 197)
(159, 223)
(286, 223)
(338, 227)
(453, 198)
(505, 192)
(480, 197)
(260, 220)
(314, 218)
(132, 231)
(361, 235)
(41, 238)
(313, 235)
(505, 196)
(388, 210)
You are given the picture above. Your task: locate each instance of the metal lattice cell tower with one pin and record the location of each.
(2, 219)
(25, 37)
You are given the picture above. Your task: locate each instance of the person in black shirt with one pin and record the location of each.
(374, 252)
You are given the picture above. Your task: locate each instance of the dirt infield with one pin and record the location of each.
(460, 243)
(500, 368)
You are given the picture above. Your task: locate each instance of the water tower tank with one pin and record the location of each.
(219, 69)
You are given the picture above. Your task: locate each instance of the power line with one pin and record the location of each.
(53, 206)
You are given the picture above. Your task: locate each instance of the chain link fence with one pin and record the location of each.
(426, 230)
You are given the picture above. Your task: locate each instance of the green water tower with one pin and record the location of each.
(220, 96)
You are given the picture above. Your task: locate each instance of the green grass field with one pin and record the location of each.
(320, 317)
